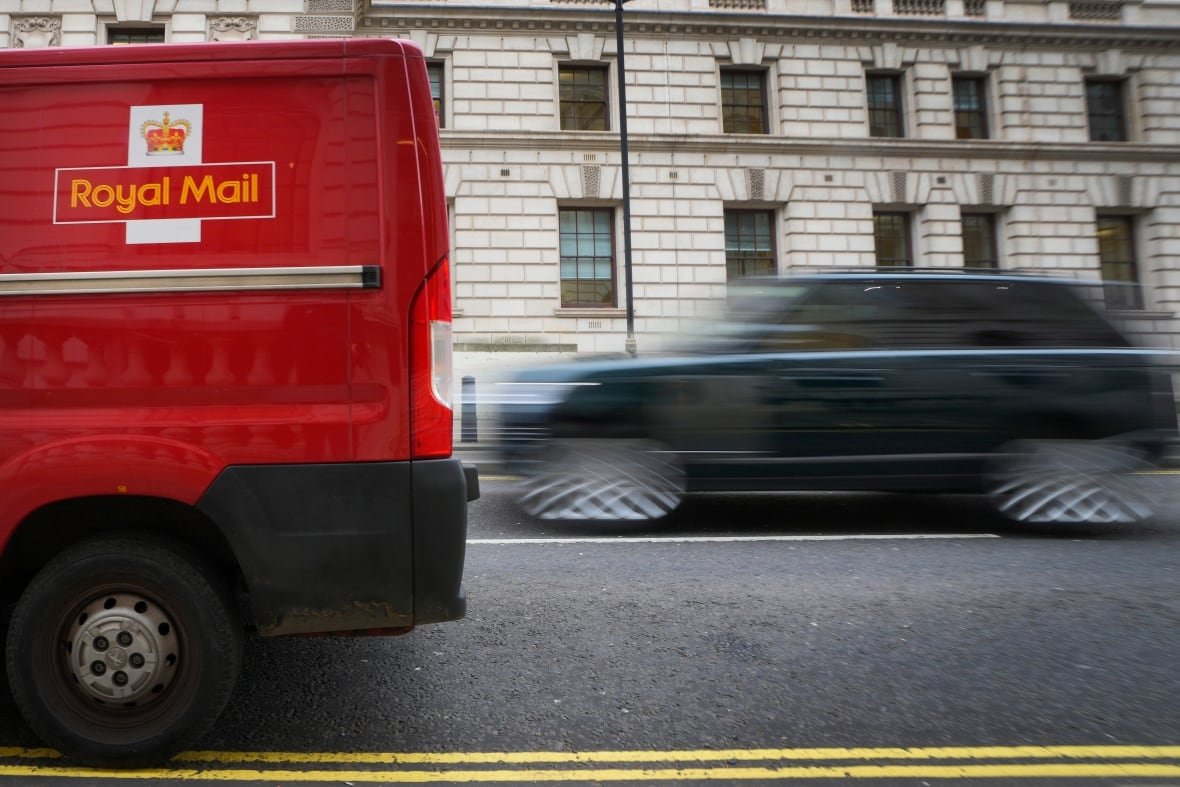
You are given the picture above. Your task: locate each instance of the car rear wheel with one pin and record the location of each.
(1067, 481)
(604, 480)
(122, 650)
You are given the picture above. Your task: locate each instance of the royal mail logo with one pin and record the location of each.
(240, 190)
(165, 137)
(165, 204)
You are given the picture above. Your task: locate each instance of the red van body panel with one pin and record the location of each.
(211, 256)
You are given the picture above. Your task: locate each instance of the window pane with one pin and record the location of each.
(891, 235)
(587, 257)
(1116, 251)
(743, 102)
(582, 93)
(749, 244)
(979, 240)
(970, 108)
(1104, 104)
(884, 100)
(135, 35)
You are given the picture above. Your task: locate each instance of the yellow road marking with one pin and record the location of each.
(995, 771)
(936, 762)
(692, 755)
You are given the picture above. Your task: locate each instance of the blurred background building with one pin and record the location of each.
(765, 135)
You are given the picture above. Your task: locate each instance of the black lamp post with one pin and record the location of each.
(629, 346)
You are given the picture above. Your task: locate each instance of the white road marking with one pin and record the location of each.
(724, 539)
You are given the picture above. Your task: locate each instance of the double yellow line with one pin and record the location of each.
(943, 762)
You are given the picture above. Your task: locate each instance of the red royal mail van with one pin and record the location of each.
(225, 375)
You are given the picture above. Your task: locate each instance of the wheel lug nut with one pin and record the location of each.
(119, 678)
(101, 643)
(98, 668)
(136, 660)
(124, 638)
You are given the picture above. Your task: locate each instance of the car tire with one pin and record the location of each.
(1067, 481)
(605, 481)
(122, 651)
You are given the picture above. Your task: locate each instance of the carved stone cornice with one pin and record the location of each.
(386, 15)
(942, 150)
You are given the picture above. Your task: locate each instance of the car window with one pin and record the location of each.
(926, 314)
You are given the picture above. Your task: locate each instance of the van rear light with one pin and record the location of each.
(431, 367)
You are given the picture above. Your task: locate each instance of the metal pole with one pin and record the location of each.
(629, 345)
(469, 426)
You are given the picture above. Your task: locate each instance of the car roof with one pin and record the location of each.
(916, 274)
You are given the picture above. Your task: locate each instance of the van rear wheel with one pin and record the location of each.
(123, 651)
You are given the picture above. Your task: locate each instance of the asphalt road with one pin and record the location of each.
(885, 638)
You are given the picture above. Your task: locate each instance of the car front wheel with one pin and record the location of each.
(1067, 481)
(122, 651)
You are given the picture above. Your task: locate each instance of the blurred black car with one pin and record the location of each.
(950, 382)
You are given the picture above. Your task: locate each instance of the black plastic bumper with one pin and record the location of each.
(347, 547)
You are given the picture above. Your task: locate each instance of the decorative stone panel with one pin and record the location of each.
(1096, 11)
(34, 32)
(324, 24)
(739, 5)
(987, 189)
(919, 7)
(897, 186)
(232, 28)
(862, 6)
(756, 184)
(591, 181)
(975, 7)
(330, 7)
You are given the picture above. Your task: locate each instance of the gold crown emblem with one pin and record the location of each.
(165, 137)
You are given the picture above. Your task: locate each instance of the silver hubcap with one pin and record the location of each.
(122, 648)
(1068, 481)
(605, 480)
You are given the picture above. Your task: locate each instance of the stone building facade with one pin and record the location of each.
(765, 136)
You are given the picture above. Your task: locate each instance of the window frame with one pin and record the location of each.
(907, 236)
(159, 34)
(579, 259)
(1106, 108)
(993, 236)
(1119, 291)
(440, 111)
(763, 105)
(562, 102)
(897, 108)
(771, 255)
(980, 113)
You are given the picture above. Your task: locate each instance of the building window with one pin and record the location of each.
(1105, 105)
(891, 238)
(749, 244)
(885, 108)
(743, 101)
(149, 34)
(587, 248)
(1116, 252)
(436, 71)
(970, 107)
(979, 240)
(583, 96)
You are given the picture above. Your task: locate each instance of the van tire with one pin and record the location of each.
(124, 650)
